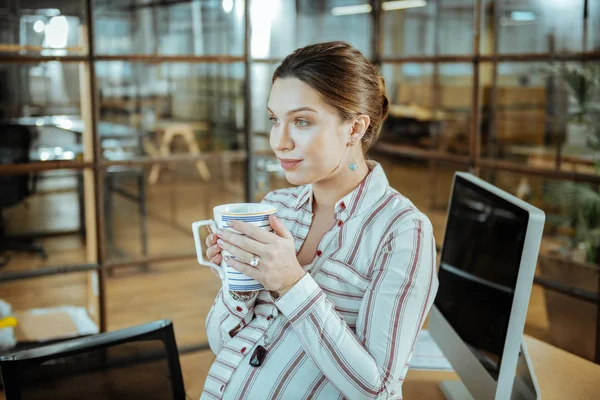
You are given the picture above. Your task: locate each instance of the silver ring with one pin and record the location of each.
(254, 261)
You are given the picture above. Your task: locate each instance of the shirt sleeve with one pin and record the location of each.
(226, 318)
(371, 363)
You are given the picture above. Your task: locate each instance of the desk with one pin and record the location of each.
(561, 375)
(573, 159)
(106, 130)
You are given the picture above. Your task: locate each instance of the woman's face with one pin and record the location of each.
(307, 135)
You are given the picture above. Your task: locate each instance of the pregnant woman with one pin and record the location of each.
(349, 269)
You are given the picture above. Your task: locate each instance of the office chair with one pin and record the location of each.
(15, 141)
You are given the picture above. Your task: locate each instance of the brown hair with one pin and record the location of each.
(345, 79)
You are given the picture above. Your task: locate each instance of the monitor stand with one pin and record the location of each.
(525, 386)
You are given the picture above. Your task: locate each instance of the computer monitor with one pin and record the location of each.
(486, 271)
(140, 362)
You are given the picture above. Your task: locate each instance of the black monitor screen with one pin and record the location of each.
(479, 265)
(117, 372)
(119, 365)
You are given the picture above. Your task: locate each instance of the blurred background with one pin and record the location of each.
(122, 122)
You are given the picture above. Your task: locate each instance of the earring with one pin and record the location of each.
(352, 166)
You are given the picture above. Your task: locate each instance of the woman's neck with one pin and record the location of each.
(329, 191)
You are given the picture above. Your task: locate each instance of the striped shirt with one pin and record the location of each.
(347, 329)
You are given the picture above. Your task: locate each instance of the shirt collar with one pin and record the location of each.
(362, 198)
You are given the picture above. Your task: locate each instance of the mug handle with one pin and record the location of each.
(198, 242)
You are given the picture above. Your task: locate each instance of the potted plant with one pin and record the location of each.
(575, 264)
(583, 86)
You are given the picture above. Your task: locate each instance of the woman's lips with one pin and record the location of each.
(289, 163)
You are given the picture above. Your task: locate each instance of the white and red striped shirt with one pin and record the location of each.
(348, 327)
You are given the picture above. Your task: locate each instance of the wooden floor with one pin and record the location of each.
(181, 291)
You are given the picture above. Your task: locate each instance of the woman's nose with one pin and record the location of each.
(281, 139)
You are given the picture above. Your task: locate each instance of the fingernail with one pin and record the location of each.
(220, 242)
(230, 223)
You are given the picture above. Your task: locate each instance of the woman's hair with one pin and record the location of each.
(345, 79)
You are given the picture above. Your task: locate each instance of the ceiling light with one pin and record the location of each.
(39, 26)
(522, 16)
(402, 4)
(349, 10)
(227, 6)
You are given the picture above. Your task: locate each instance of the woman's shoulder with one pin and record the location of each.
(402, 213)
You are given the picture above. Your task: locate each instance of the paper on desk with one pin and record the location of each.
(427, 354)
(43, 324)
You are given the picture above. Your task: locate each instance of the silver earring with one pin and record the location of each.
(352, 166)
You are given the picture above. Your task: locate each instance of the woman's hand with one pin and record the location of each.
(213, 251)
(278, 268)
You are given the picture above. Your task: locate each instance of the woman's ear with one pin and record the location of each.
(359, 128)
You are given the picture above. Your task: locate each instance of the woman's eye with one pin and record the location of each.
(301, 122)
(273, 120)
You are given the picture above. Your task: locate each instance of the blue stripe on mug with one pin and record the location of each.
(241, 288)
(260, 226)
(240, 218)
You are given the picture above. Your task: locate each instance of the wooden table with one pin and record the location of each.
(561, 375)
(76, 125)
(168, 130)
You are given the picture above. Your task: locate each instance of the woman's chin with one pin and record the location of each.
(296, 178)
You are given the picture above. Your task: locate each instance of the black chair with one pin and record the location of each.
(15, 143)
(141, 362)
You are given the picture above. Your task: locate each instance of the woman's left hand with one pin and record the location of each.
(278, 268)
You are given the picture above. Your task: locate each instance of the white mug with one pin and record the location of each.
(253, 213)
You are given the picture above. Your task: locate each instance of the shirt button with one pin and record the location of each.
(319, 252)
(342, 205)
(243, 350)
(269, 318)
(340, 223)
(239, 308)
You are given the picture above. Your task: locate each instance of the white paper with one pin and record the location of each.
(80, 317)
(428, 355)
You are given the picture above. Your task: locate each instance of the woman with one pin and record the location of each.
(349, 271)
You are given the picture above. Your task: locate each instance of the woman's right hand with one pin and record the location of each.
(213, 251)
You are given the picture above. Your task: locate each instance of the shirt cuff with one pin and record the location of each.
(237, 307)
(301, 299)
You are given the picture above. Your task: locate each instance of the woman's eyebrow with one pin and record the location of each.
(295, 110)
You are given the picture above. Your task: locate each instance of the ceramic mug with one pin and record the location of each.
(253, 213)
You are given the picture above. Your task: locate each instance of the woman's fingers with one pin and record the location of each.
(217, 259)
(213, 251)
(250, 245)
(240, 254)
(211, 240)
